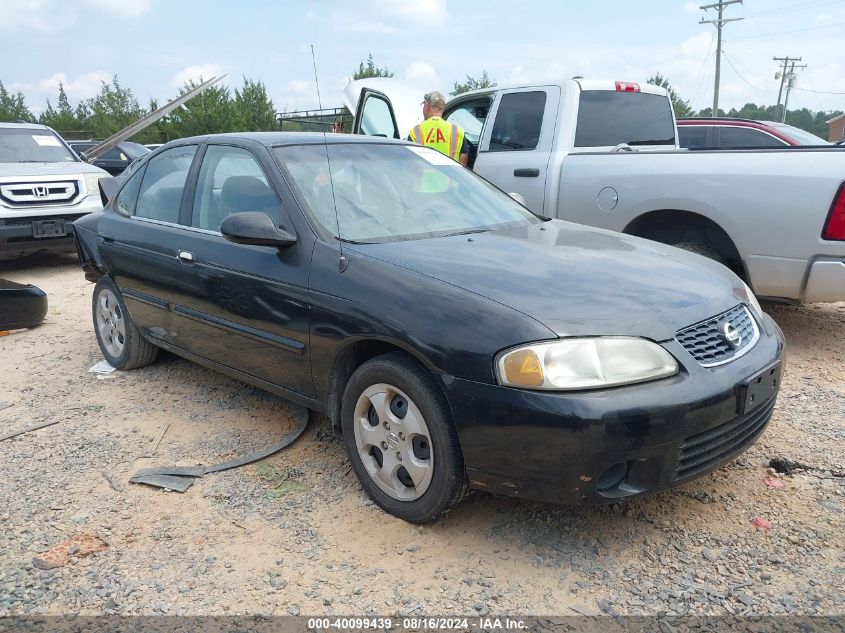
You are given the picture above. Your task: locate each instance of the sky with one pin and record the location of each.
(154, 46)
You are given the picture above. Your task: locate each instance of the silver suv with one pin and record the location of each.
(44, 186)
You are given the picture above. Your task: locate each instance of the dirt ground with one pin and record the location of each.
(295, 533)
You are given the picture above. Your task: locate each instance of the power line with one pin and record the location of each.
(811, 28)
(719, 23)
(783, 75)
(821, 92)
(700, 75)
(795, 7)
(738, 74)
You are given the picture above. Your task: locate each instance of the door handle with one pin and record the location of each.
(526, 173)
(106, 238)
(186, 257)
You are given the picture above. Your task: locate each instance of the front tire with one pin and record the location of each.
(400, 438)
(119, 338)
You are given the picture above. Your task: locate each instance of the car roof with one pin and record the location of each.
(25, 126)
(275, 139)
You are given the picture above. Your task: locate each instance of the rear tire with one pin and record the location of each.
(119, 338)
(395, 416)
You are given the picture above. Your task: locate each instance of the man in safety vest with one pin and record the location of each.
(447, 138)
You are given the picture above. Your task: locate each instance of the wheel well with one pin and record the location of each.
(350, 359)
(673, 227)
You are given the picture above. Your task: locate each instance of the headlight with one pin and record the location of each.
(752, 300)
(584, 363)
(92, 184)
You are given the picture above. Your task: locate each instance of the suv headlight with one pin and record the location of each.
(584, 363)
(752, 300)
(92, 184)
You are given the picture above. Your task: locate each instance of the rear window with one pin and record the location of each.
(608, 118)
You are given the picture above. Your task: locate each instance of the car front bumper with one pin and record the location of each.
(605, 445)
(18, 237)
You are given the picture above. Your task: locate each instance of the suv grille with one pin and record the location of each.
(30, 194)
(49, 218)
(710, 448)
(708, 342)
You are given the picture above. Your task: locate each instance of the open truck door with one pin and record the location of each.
(383, 107)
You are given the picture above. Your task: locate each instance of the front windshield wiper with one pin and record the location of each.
(348, 241)
(468, 232)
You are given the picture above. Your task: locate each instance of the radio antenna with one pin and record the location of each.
(316, 81)
(342, 262)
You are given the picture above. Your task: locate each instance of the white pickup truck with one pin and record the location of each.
(605, 153)
(44, 187)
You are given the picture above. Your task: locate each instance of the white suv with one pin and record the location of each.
(44, 186)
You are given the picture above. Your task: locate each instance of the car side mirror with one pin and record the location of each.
(517, 197)
(258, 229)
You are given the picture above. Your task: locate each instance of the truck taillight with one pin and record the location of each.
(834, 227)
(627, 86)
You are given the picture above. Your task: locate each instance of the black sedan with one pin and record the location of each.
(456, 339)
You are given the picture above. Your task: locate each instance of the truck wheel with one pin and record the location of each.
(119, 338)
(400, 438)
(702, 249)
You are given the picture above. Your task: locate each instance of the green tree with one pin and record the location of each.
(680, 106)
(111, 110)
(253, 109)
(13, 106)
(472, 83)
(210, 112)
(371, 70)
(61, 118)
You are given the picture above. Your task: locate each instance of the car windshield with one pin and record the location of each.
(802, 136)
(395, 192)
(33, 145)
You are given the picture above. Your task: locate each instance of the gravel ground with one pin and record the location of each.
(295, 534)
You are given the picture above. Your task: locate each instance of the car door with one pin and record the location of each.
(375, 115)
(515, 150)
(138, 238)
(243, 306)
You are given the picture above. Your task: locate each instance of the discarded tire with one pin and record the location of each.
(21, 305)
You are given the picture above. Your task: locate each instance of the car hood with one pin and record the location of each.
(576, 280)
(17, 170)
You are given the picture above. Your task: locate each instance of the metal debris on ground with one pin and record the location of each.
(61, 554)
(180, 478)
(28, 429)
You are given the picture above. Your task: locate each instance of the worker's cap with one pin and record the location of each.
(435, 99)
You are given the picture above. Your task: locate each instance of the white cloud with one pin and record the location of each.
(44, 16)
(392, 16)
(196, 73)
(423, 74)
(84, 86)
(691, 7)
(127, 9)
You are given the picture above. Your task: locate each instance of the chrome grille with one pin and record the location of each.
(712, 447)
(707, 343)
(28, 194)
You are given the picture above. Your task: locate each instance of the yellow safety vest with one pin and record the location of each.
(441, 135)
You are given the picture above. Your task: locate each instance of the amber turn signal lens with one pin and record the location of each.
(523, 368)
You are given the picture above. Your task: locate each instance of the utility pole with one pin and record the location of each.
(782, 74)
(790, 82)
(718, 23)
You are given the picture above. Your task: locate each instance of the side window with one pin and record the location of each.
(114, 154)
(739, 137)
(128, 196)
(471, 117)
(231, 181)
(376, 119)
(693, 136)
(518, 121)
(160, 196)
